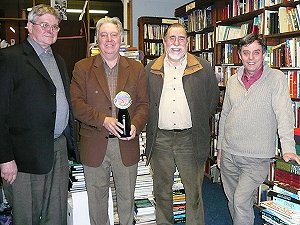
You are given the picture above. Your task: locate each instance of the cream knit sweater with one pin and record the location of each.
(250, 119)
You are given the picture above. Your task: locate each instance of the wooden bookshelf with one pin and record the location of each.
(245, 15)
(151, 31)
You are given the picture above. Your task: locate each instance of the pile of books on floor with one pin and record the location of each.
(179, 202)
(144, 211)
(284, 206)
(144, 202)
(76, 177)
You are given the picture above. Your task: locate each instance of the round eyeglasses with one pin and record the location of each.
(46, 26)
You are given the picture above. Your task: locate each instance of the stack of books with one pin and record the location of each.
(76, 177)
(179, 203)
(284, 206)
(144, 211)
(144, 201)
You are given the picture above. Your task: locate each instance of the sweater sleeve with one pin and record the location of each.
(282, 107)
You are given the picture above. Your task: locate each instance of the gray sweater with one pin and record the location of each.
(250, 119)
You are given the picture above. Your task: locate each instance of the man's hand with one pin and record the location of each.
(291, 156)
(219, 152)
(132, 134)
(9, 171)
(113, 126)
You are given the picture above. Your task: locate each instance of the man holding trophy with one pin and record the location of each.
(110, 98)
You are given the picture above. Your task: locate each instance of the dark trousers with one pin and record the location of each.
(173, 149)
(41, 199)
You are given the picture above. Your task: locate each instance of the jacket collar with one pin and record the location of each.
(193, 65)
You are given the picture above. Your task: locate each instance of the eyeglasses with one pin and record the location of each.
(113, 35)
(181, 39)
(46, 26)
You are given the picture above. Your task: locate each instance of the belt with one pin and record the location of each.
(179, 130)
(112, 136)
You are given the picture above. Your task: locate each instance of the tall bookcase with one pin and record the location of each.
(215, 28)
(151, 31)
(199, 19)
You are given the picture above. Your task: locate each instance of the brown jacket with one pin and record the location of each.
(92, 103)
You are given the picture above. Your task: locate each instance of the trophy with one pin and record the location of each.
(122, 101)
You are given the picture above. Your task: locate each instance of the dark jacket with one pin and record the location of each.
(202, 93)
(28, 110)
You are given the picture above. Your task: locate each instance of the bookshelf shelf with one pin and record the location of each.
(13, 19)
(239, 19)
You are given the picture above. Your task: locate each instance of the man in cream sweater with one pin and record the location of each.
(256, 107)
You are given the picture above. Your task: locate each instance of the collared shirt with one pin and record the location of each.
(174, 111)
(62, 106)
(112, 81)
(249, 80)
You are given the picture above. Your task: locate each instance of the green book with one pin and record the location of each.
(291, 167)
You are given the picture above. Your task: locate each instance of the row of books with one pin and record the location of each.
(199, 19)
(293, 80)
(201, 42)
(154, 32)
(281, 199)
(209, 56)
(285, 54)
(240, 7)
(153, 49)
(229, 32)
(229, 54)
(288, 18)
(223, 73)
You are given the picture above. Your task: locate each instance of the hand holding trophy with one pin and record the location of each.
(122, 101)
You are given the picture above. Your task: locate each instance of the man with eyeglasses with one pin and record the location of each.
(36, 132)
(184, 93)
(96, 82)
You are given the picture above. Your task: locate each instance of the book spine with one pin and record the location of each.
(287, 213)
(273, 218)
(287, 204)
(284, 197)
(287, 190)
(289, 167)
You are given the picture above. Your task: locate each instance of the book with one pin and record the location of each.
(286, 189)
(286, 177)
(285, 200)
(144, 206)
(286, 213)
(291, 167)
(275, 218)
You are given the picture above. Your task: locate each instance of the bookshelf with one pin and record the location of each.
(199, 18)
(151, 31)
(215, 28)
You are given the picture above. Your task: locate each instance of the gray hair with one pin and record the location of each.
(114, 20)
(40, 10)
